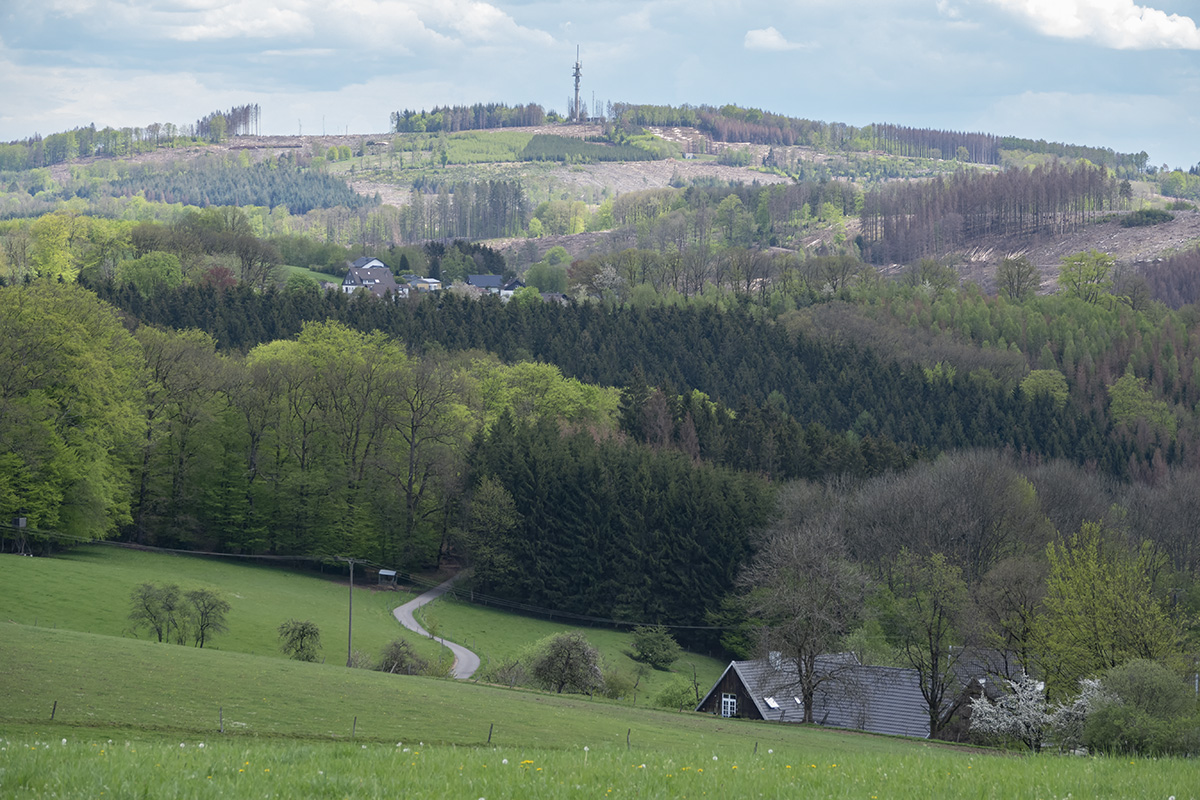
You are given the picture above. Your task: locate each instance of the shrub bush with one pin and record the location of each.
(1149, 216)
(1150, 711)
(399, 659)
(654, 645)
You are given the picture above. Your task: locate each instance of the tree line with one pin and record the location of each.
(237, 121)
(85, 141)
(480, 116)
(903, 222)
(732, 123)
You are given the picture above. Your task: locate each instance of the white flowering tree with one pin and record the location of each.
(1071, 717)
(1022, 713)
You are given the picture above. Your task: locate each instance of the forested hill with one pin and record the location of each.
(779, 381)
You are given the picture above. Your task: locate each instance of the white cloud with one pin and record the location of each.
(635, 21)
(1119, 24)
(347, 23)
(769, 39)
(244, 20)
(945, 9)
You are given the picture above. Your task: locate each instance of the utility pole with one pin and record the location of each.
(350, 622)
(578, 74)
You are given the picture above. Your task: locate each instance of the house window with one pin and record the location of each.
(728, 705)
(770, 701)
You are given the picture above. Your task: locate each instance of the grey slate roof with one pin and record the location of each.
(486, 281)
(364, 261)
(884, 700)
(378, 280)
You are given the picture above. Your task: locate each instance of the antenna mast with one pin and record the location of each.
(578, 74)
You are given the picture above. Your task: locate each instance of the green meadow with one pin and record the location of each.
(77, 764)
(87, 589)
(498, 636)
(135, 718)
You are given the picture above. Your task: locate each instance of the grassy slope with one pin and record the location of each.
(104, 681)
(319, 277)
(501, 636)
(87, 589)
(289, 726)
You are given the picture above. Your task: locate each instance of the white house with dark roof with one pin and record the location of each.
(370, 274)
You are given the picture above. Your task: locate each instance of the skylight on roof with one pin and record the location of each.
(771, 702)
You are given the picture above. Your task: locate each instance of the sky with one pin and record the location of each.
(1109, 73)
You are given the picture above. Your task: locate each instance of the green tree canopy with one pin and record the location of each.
(1099, 609)
(71, 397)
(1087, 276)
(152, 272)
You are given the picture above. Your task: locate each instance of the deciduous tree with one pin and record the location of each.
(300, 639)
(805, 596)
(1017, 277)
(206, 612)
(655, 645)
(159, 610)
(928, 599)
(1087, 275)
(1099, 610)
(568, 662)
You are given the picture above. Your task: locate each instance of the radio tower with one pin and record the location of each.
(578, 74)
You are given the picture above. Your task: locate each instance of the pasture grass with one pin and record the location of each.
(319, 277)
(87, 589)
(498, 636)
(70, 763)
(130, 715)
(108, 682)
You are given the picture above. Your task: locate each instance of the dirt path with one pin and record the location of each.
(465, 662)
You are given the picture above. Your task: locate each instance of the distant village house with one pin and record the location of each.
(370, 274)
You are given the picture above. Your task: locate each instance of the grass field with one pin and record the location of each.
(109, 682)
(499, 636)
(87, 589)
(130, 715)
(68, 763)
(312, 275)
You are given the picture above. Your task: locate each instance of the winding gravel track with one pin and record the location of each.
(465, 662)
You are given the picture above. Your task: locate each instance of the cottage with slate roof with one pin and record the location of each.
(370, 274)
(884, 700)
(492, 284)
